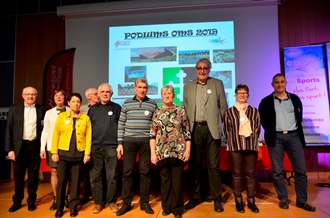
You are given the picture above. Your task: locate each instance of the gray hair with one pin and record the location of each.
(141, 80)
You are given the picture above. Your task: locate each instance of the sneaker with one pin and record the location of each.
(113, 208)
(97, 208)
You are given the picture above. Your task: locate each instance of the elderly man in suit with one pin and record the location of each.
(24, 126)
(205, 104)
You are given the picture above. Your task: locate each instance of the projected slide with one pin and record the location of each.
(167, 54)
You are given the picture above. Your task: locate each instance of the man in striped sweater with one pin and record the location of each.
(133, 137)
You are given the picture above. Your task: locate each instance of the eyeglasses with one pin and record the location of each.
(93, 93)
(29, 94)
(242, 93)
(202, 68)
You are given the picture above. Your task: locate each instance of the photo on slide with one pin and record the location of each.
(134, 72)
(192, 56)
(154, 54)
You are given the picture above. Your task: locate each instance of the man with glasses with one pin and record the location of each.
(205, 103)
(104, 117)
(24, 127)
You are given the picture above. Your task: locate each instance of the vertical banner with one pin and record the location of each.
(58, 74)
(327, 47)
(306, 76)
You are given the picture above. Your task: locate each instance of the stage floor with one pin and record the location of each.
(266, 200)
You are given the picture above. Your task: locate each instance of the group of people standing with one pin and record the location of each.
(89, 139)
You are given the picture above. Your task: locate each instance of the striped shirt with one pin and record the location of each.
(135, 119)
(236, 142)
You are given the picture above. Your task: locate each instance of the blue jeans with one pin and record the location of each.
(104, 159)
(290, 143)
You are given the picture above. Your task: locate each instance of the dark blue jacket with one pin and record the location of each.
(268, 118)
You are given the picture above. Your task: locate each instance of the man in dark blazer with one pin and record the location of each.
(24, 126)
(205, 104)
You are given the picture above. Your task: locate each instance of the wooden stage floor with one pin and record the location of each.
(266, 200)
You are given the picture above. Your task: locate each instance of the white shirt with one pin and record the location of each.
(30, 123)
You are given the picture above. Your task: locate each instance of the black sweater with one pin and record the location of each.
(104, 119)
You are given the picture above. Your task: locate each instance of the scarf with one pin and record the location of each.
(244, 122)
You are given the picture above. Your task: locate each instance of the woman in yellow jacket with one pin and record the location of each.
(71, 147)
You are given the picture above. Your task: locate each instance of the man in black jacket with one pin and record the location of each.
(24, 127)
(281, 117)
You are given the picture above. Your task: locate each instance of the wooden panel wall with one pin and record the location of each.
(38, 38)
(302, 23)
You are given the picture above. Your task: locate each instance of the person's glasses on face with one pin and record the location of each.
(242, 93)
(202, 68)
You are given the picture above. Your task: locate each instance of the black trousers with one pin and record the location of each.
(171, 172)
(205, 149)
(243, 163)
(28, 158)
(87, 191)
(68, 170)
(131, 149)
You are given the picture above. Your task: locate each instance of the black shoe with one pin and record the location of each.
(178, 216)
(15, 207)
(193, 202)
(253, 207)
(124, 209)
(58, 214)
(146, 207)
(240, 207)
(83, 201)
(73, 213)
(306, 206)
(53, 207)
(218, 206)
(66, 202)
(284, 204)
(31, 206)
(166, 212)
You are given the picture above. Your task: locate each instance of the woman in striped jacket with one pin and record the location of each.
(242, 128)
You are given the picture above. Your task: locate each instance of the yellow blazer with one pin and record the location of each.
(63, 131)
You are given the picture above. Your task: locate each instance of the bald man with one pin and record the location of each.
(92, 98)
(24, 126)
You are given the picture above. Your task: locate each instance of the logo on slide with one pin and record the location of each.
(122, 43)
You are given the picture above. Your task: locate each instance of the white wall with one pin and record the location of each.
(256, 42)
